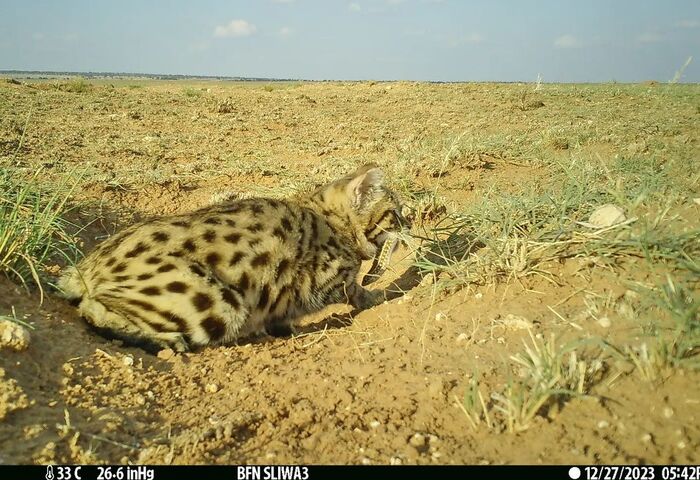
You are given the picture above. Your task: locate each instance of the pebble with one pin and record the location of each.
(128, 361)
(462, 337)
(440, 316)
(395, 461)
(13, 335)
(604, 322)
(516, 322)
(211, 388)
(603, 424)
(646, 438)
(668, 412)
(417, 440)
(166, 354)
(375, 423)
(606, 216)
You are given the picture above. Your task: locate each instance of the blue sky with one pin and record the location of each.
(443, 40)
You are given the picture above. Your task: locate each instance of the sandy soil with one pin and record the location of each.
(383, 387)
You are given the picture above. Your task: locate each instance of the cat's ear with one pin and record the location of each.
(364, 185)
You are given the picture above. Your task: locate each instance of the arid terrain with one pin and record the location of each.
(524, 330)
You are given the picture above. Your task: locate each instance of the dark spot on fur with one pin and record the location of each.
(283, 267)
(122, 278)
(214, 326)
(168, 267)
(177, 320)
(189, 245)
(197, 270)
(209, 236)
(236, 258)
(150, 291)
(230, 222)
(243, 282)
(144, 276)
(279, 233)
(256, 227)
(232, 237)
(202, 301)
(160, 237)
(256, 209)
(155, 260)
(110, 261)
(264, 297)
(118, 268)
(212, 221)
(314, 227)
(144, 305)
(176, 287)
(180, 223)
(213, 259)
(286, 224)
(253, 242)
(137, 250)
(332, 243)
(230, 298)
(260, 260)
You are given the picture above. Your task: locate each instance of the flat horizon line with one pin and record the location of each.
(182, 76)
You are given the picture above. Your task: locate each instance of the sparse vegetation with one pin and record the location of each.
(548, 375)
(33, 229)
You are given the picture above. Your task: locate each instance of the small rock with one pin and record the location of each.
(681, 445)
(516, 322)
(166, 354)
(365, 461)
(697, 201)
(606, 216)
(395, 461)
(440, 316)
(211, 388)
(375, 424)
(646, 438)
(668, 412)
(13, 335)
(603, 424)
(128, 361)
(417, 440)
(604, 322)
(462, 337)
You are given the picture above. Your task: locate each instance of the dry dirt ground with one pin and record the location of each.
(386, 386)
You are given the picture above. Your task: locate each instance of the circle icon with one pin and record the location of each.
(574, 473)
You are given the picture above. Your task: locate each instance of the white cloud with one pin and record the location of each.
(649, 37)
(285, 31)
(567, 41)
(354, 7)
(688, 24)
(235, 28)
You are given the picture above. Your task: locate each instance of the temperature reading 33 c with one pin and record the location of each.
(62, 473)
